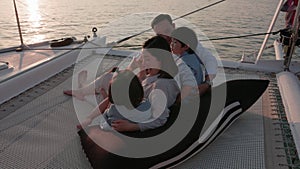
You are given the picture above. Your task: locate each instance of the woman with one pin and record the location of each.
(160, 88)
(160, 69)
(114, 149)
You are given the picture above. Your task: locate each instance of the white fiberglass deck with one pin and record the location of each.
(31, 66)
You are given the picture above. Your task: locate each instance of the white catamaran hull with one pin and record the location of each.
(18, 80)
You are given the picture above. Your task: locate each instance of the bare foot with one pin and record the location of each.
(82, 78)
(76, 94)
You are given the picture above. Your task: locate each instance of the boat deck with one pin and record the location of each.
(38, 129)
(34, 64)
(22, 61)
(258, 139)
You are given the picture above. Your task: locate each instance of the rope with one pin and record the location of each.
(241, 36)
(197, 10)
(130, 46)
(129, 37)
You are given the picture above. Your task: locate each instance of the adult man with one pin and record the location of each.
(163, 25)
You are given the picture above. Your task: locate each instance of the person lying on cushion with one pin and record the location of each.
(159, 86)
(125, 84)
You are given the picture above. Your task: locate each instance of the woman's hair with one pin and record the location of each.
(159, 48)
(125, 89)
(186, 36)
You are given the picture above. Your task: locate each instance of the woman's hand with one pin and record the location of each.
(203, 88)
(124, 125)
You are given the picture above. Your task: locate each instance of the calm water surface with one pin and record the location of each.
(46, 20)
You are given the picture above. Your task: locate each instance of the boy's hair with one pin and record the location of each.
(159, 48)
(125, 89)
(159, 18)
(186, 36)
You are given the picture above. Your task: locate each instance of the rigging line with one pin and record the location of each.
(126, 46)
(48, 16)
(83, 48)
(197, 10)
(241, 36)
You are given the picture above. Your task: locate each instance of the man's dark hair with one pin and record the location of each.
(161, 17)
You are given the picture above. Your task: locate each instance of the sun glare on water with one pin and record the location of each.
(34, 19)
(34, 13)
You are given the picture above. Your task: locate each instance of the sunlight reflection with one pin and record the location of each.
(36, 38)
(33, 8)
(34, 19)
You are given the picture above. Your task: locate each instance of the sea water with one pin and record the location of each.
(43, 20)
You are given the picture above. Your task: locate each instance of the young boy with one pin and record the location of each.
(183, 44)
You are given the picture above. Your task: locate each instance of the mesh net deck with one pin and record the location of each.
(37, 130)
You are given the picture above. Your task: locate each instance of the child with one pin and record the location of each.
(126, 96)
(183, 44)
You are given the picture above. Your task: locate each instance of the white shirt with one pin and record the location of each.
(209, 61)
